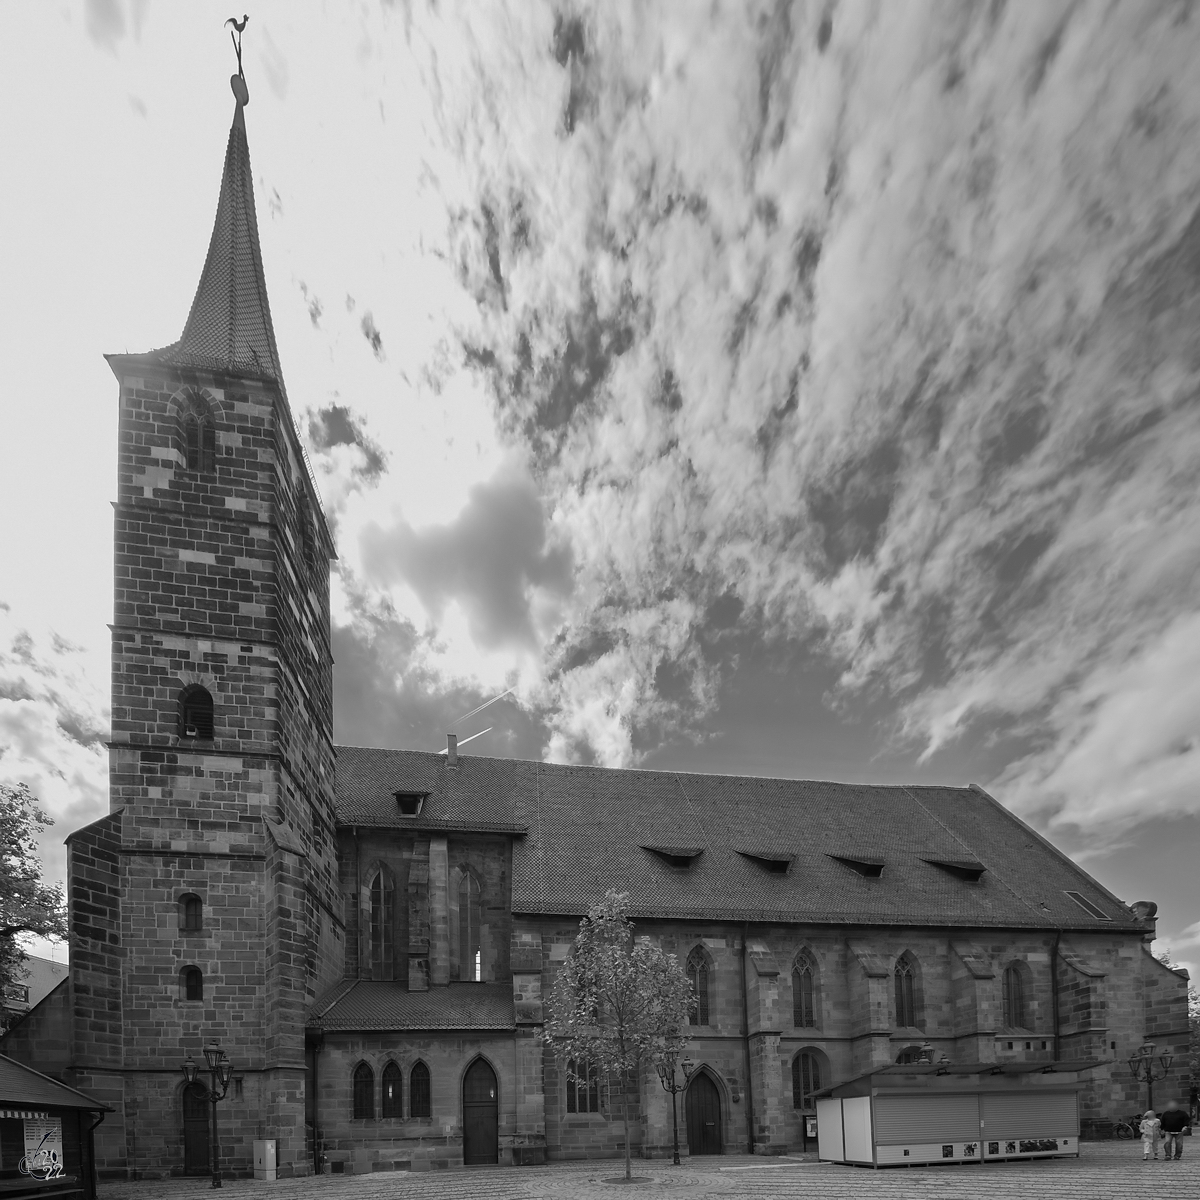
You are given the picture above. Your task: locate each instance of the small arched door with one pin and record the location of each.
(481, 1109)
(703, 1107)
(195, 1130)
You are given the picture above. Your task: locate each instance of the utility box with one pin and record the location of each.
(952, 1112)
(264, 1159)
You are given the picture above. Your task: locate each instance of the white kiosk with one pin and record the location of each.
(952, 1112)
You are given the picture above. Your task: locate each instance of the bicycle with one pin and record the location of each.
(1127, 1130)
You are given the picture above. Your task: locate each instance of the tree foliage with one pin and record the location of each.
(27, 903)
(619, 1003)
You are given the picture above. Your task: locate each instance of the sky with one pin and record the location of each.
(789, 389)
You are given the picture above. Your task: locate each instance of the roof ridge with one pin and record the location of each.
(663, 771)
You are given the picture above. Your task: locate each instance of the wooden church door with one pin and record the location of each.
(481, 1110)
(703, 1116)
(196, 1160)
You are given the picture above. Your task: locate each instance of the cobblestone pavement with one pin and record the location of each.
(1105, 1170)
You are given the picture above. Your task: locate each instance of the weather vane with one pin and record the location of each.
(238, 81)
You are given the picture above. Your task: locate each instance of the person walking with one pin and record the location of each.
(1151, 1128)
(1174, 1121)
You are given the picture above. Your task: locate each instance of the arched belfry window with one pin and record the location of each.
(804, 992)
(191, 984)
(383, 920)
(195, 713)
(420, 1102)
(364, 1093)
(907, 1015)
(393, 1092)
(470, 958)
(1016, 1014)
(199, 435)
(191, 913)
(697, 973)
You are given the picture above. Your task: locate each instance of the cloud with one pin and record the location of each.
(336, 425)
(876, 321)
(53, 725)
(496, 560)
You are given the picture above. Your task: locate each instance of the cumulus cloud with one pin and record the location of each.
(877, 321)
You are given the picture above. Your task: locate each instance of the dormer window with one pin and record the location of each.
(679, 857)
(869, 868)
(1088, 907)
(777, 864)
(961, 868)
(409, 804)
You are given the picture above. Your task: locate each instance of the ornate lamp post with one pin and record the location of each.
(222, 1070)
(1146, 1071)
(666, 1076)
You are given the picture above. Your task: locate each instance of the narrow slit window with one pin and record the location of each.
(804, 1013)
(1014, 998)
(906, 1010)
(393, 1091)
(191, 983)
(191, 911)
(697, 973)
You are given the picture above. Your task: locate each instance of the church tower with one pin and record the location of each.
(204, 907)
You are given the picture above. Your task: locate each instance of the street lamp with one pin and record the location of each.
(666, 1076)
(221, 1070)
(1146, 1071)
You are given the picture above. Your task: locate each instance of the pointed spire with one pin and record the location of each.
(229, 327)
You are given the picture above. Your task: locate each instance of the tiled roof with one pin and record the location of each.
(229, 328)
(366, 1005)
(485, 794)
(23, 1086)
(1057, 1067)
(588, 828)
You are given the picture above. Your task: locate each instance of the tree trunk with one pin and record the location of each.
(625, 1110)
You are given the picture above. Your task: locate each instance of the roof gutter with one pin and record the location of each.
(746, 1044)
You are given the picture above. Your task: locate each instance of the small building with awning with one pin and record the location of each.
(46, 1136)
(912, 1113)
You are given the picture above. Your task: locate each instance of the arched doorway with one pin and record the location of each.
(481, 1108)
(196, 1116)
(703, 1106)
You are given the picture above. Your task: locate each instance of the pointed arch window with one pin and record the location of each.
(382, 923)
(196, 713)
(906, 1000)
(1015, 1009)
(420, 1102)
(697, 973)
(191, 913)
(470, 959)
(393, 1092)
(191, 984)
(364, 1093)
(200, 442)
(804, 1007)
(806, 1080)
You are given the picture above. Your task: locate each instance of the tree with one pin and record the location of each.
(27, 903)
(619, 1004)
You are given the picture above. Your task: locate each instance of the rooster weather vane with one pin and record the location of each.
(238, 81)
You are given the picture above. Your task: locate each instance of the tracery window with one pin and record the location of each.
(1015, 1010)
(419, 1092)
(364, 1093)
(382, 922)
(697, 973)
(806, 1079)
(393, 1092)
(804, 1009)
(583, 1087)
(470, 959)
(906, 1004)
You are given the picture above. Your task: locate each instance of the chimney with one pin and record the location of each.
(452, 750)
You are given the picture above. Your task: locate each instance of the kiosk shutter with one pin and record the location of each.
(901, 1120)
(1052, 1114)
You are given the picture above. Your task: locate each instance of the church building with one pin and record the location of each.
(369, 934)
